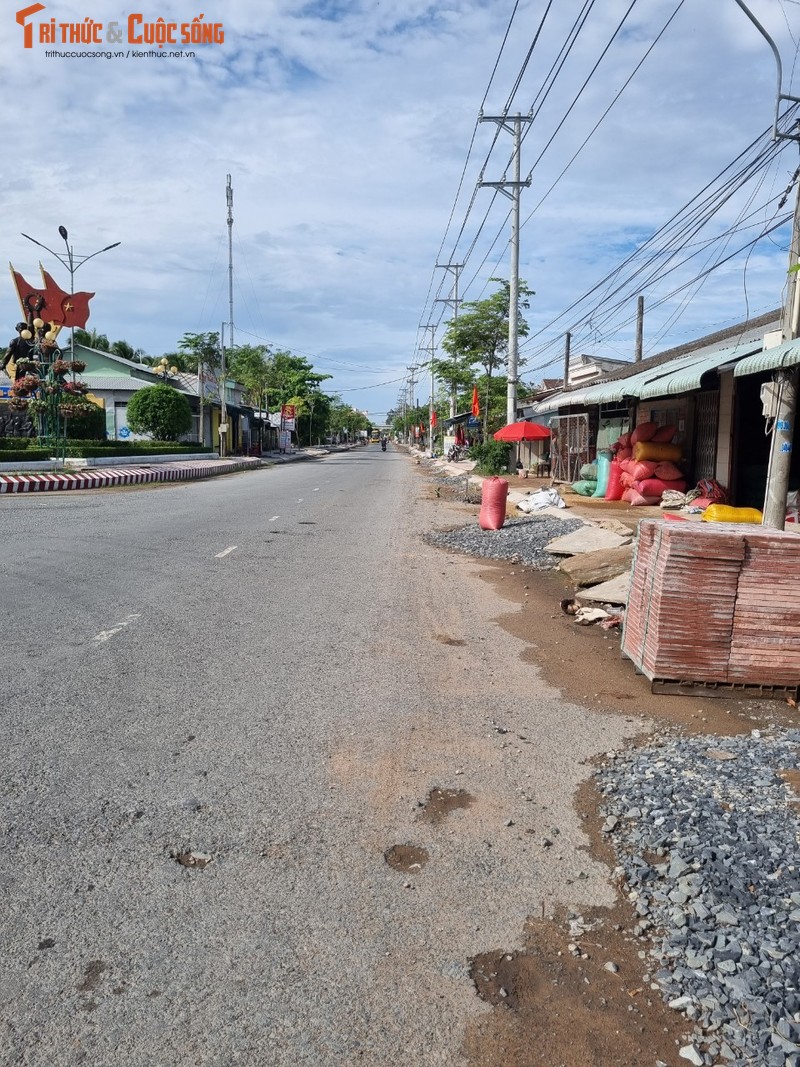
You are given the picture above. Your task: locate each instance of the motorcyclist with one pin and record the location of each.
(383, 442)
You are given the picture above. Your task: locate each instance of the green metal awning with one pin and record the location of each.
(688, 378)
(620, 388)
(559, 400)
(783, 355)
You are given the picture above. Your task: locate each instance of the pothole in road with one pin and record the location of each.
(406, 857)
(198, 860)
(441, 802)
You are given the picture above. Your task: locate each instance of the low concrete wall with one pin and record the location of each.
(100, 462)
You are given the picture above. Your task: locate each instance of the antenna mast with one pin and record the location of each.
(229, 197)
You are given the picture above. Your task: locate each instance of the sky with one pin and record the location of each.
(352, 137)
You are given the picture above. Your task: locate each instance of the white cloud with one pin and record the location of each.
(345, 127)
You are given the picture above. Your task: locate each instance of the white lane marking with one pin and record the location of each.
(105, 634)
(226, 552)
(300, 501)
(274, 518)
(315, 490)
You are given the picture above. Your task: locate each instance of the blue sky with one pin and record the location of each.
(346, 129)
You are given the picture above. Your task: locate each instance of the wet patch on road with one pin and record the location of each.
(441, 802)
(406, 857)
(91, 976)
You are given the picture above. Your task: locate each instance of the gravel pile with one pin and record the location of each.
(520, 540)
(706, 835)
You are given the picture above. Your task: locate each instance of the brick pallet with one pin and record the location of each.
(715, 603)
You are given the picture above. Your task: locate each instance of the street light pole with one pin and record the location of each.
(72, 263)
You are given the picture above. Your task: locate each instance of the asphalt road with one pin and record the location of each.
(265, 676)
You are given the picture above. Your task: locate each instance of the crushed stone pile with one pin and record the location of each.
(707, 836)
(519, 541)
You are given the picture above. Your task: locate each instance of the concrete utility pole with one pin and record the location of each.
(430, 349)
(639, 330)
(512, 191)
(412, 381)
(780, 453)
(567, 346)
(223, 408)
(453, 302)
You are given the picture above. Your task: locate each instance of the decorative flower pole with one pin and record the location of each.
(40, 383)
(41, 387)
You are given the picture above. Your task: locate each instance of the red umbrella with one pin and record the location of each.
(522, 431)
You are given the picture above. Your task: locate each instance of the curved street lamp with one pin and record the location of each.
(72, 262)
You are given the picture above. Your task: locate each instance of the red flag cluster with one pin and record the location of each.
(51, 303)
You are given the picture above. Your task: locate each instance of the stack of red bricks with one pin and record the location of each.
(715, 602)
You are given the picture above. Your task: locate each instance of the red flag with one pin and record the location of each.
(476, 407)
(433, 419)
(52, 303)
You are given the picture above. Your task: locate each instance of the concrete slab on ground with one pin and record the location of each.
(612, 592)
(586, 539)
(591, 568)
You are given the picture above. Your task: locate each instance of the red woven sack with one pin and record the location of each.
(614, 487)
(663, 435)
(655, 487)
(668, 472)
(636, 499)
(645, 468)
(493, 503)
(624, 441)
(626, 480)
(625, 453)
(644, 432)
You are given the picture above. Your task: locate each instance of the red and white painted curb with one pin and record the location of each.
(100, 479)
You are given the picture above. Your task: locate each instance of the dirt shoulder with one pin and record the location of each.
(580, 995)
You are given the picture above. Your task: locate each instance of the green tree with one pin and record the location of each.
(127, 351)
(160, 411)
(92, 339)
(479, 336)
(343, 418)
(250, 365)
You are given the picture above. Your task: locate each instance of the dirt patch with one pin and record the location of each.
(445, 640)
(792, 779)
(441, 802)
(591, 1005)
(571, 1003)
(406, 857)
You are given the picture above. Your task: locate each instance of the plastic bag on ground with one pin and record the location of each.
(541, 499)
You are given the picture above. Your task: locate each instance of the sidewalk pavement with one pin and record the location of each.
(144, 472)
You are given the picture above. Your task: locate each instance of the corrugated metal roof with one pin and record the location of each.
(688, 378)
(559, 400)
(618, 389)
(785, 355)
(118, 383)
